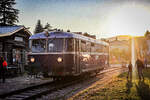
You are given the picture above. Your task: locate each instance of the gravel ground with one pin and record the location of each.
(20, 82)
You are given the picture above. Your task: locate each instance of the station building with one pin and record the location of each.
(14, 41)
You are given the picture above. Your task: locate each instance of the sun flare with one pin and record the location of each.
(129, 20)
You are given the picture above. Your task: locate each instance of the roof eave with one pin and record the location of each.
(11, 33)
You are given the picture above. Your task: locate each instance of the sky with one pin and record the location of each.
(103, 18)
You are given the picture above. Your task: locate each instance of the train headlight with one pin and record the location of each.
(59, 59)
(32, 59)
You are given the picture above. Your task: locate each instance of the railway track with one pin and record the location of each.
(37, 91)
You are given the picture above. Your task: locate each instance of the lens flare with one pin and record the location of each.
(133, 58)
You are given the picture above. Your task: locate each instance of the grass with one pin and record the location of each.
(122, 89)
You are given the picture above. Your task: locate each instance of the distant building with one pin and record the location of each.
(120, 48)
(14, 41)
(120, 42)
(123, 45)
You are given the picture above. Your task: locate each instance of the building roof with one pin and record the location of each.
(60, 34)
(9, 30)
(119, 38)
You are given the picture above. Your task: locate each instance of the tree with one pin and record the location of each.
(38, 27)
(147, 33)
(48, 27)
(68, 30)
(8, 14)
(88, 35)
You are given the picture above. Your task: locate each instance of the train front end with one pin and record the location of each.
(52, 55)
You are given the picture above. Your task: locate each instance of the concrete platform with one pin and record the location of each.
(21, 82)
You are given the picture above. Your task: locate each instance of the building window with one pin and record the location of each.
(19, 39)
(16, 56)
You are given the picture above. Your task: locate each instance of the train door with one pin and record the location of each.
(77, 56)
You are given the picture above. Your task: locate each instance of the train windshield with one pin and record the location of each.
(52, 45)
(38, 45)
(55, 45)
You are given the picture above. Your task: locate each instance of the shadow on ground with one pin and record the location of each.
(122, 75)
(142, 87)
(147, 73)
(143, 90)
(129, 85)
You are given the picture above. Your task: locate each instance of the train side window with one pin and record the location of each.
(106, 49)
(77, 45)
(88, 46)
(55, 45)
(83, 46)
(99, 48)
(93, 48)
(70, 44)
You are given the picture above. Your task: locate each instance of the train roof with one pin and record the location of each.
(59, 34)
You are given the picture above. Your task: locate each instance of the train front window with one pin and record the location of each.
(38, 45)
(55, 45)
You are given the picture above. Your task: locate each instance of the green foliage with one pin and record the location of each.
(122, 89)
(8, 14)
(141, 47)
(120, 55)
(38, 27)
(122, 75)
(68, 30)
(88, 35)
(147, 73)
(48, 27)
(147, 33)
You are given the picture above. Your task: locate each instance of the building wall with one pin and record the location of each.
(13, 49)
